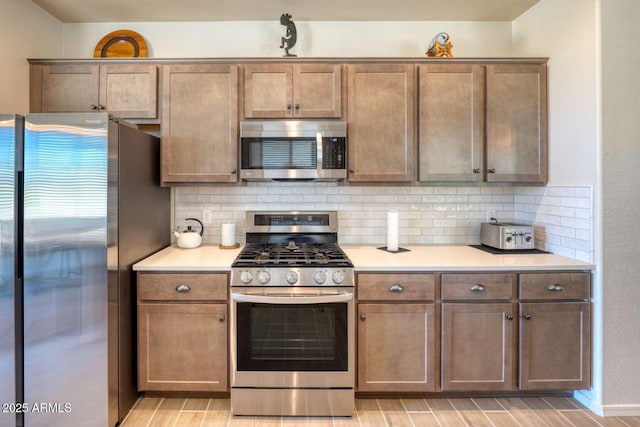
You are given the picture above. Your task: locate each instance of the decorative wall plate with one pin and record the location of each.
(121, 44)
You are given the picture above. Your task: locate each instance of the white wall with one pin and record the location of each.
(315, 39)
(26, 31)
(564, 30)
(620, 198)
(594, 138)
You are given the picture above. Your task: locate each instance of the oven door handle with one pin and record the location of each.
(292, 299)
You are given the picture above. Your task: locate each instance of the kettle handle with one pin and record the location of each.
(198, 221)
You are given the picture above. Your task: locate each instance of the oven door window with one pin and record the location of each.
(292, 337)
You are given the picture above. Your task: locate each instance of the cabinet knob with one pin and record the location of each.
(183, 288)
(492, 170)
(555, 288)
(100, 107)
(233, 171)
(93, 107)
(509, 317)
(476, 170)
(296, 106)
(527, 317)
(221, 318)
(363, 317)
(352, 170)
(477, 288)
(396, 288)
(288, 107)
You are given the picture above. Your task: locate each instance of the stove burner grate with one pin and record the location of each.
(302, 254)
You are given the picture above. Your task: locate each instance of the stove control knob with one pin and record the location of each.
(264, 277)
(320, 277)
(338, 277)
(246, 277)
(528, 238)
(509, 239)
(292, 277)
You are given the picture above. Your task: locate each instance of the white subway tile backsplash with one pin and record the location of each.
(561, 216)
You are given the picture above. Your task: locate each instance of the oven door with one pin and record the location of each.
(292, 337)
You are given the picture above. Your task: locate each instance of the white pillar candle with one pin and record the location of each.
(392, 231)
(228, 237)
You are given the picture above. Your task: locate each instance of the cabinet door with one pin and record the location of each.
(199, 123)
(317, 90)
(517, 123)
(555, 346)
(182, 347)
(478, 350)
(268, 90)
(129, 91)
(396, 347)
(451, 122)
(69, 88)
(381, 122)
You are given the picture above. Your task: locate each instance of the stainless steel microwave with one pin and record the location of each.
(293, 149)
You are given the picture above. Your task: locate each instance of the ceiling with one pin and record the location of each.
(74, 11)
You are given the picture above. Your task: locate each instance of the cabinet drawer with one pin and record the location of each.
(182, 287)
(471, 287)
(555, 286)
(396, 287)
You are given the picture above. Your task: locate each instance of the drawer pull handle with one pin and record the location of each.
(527, 317)
(363, 317)
(221, 318)
(396, 288)
(183, 289)
(555, 288)
(477, 288)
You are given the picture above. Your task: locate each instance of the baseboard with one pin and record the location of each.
(587, 401)
(607, 410)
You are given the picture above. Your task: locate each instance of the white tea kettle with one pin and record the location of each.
(189, 238)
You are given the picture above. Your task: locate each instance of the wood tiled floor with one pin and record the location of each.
(498, 412)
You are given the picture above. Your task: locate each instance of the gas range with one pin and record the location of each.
(292, 249)
(292, 318)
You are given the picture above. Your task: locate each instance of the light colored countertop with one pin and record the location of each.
(203, 258)
(455, 258)
(368, 258)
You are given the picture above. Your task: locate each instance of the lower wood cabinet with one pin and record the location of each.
(478, 343)
(182, 332)
(555, 346)
(396, 332)
(555, 331)
(396, 347)
(538, 338)
(182, 347)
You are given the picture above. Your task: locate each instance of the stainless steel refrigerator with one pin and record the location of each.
(80, 203)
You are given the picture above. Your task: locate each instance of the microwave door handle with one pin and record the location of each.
(319, 154)
(301, 299)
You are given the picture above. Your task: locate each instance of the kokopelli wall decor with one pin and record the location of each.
(289, 39)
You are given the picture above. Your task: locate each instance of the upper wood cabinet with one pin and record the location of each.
(462, 140)
(199, 123)
(451, 132)
(517, 123)
(292, 91)
(381, 122)
(124, 90)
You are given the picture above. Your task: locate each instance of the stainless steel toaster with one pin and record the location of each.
(507, 235)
